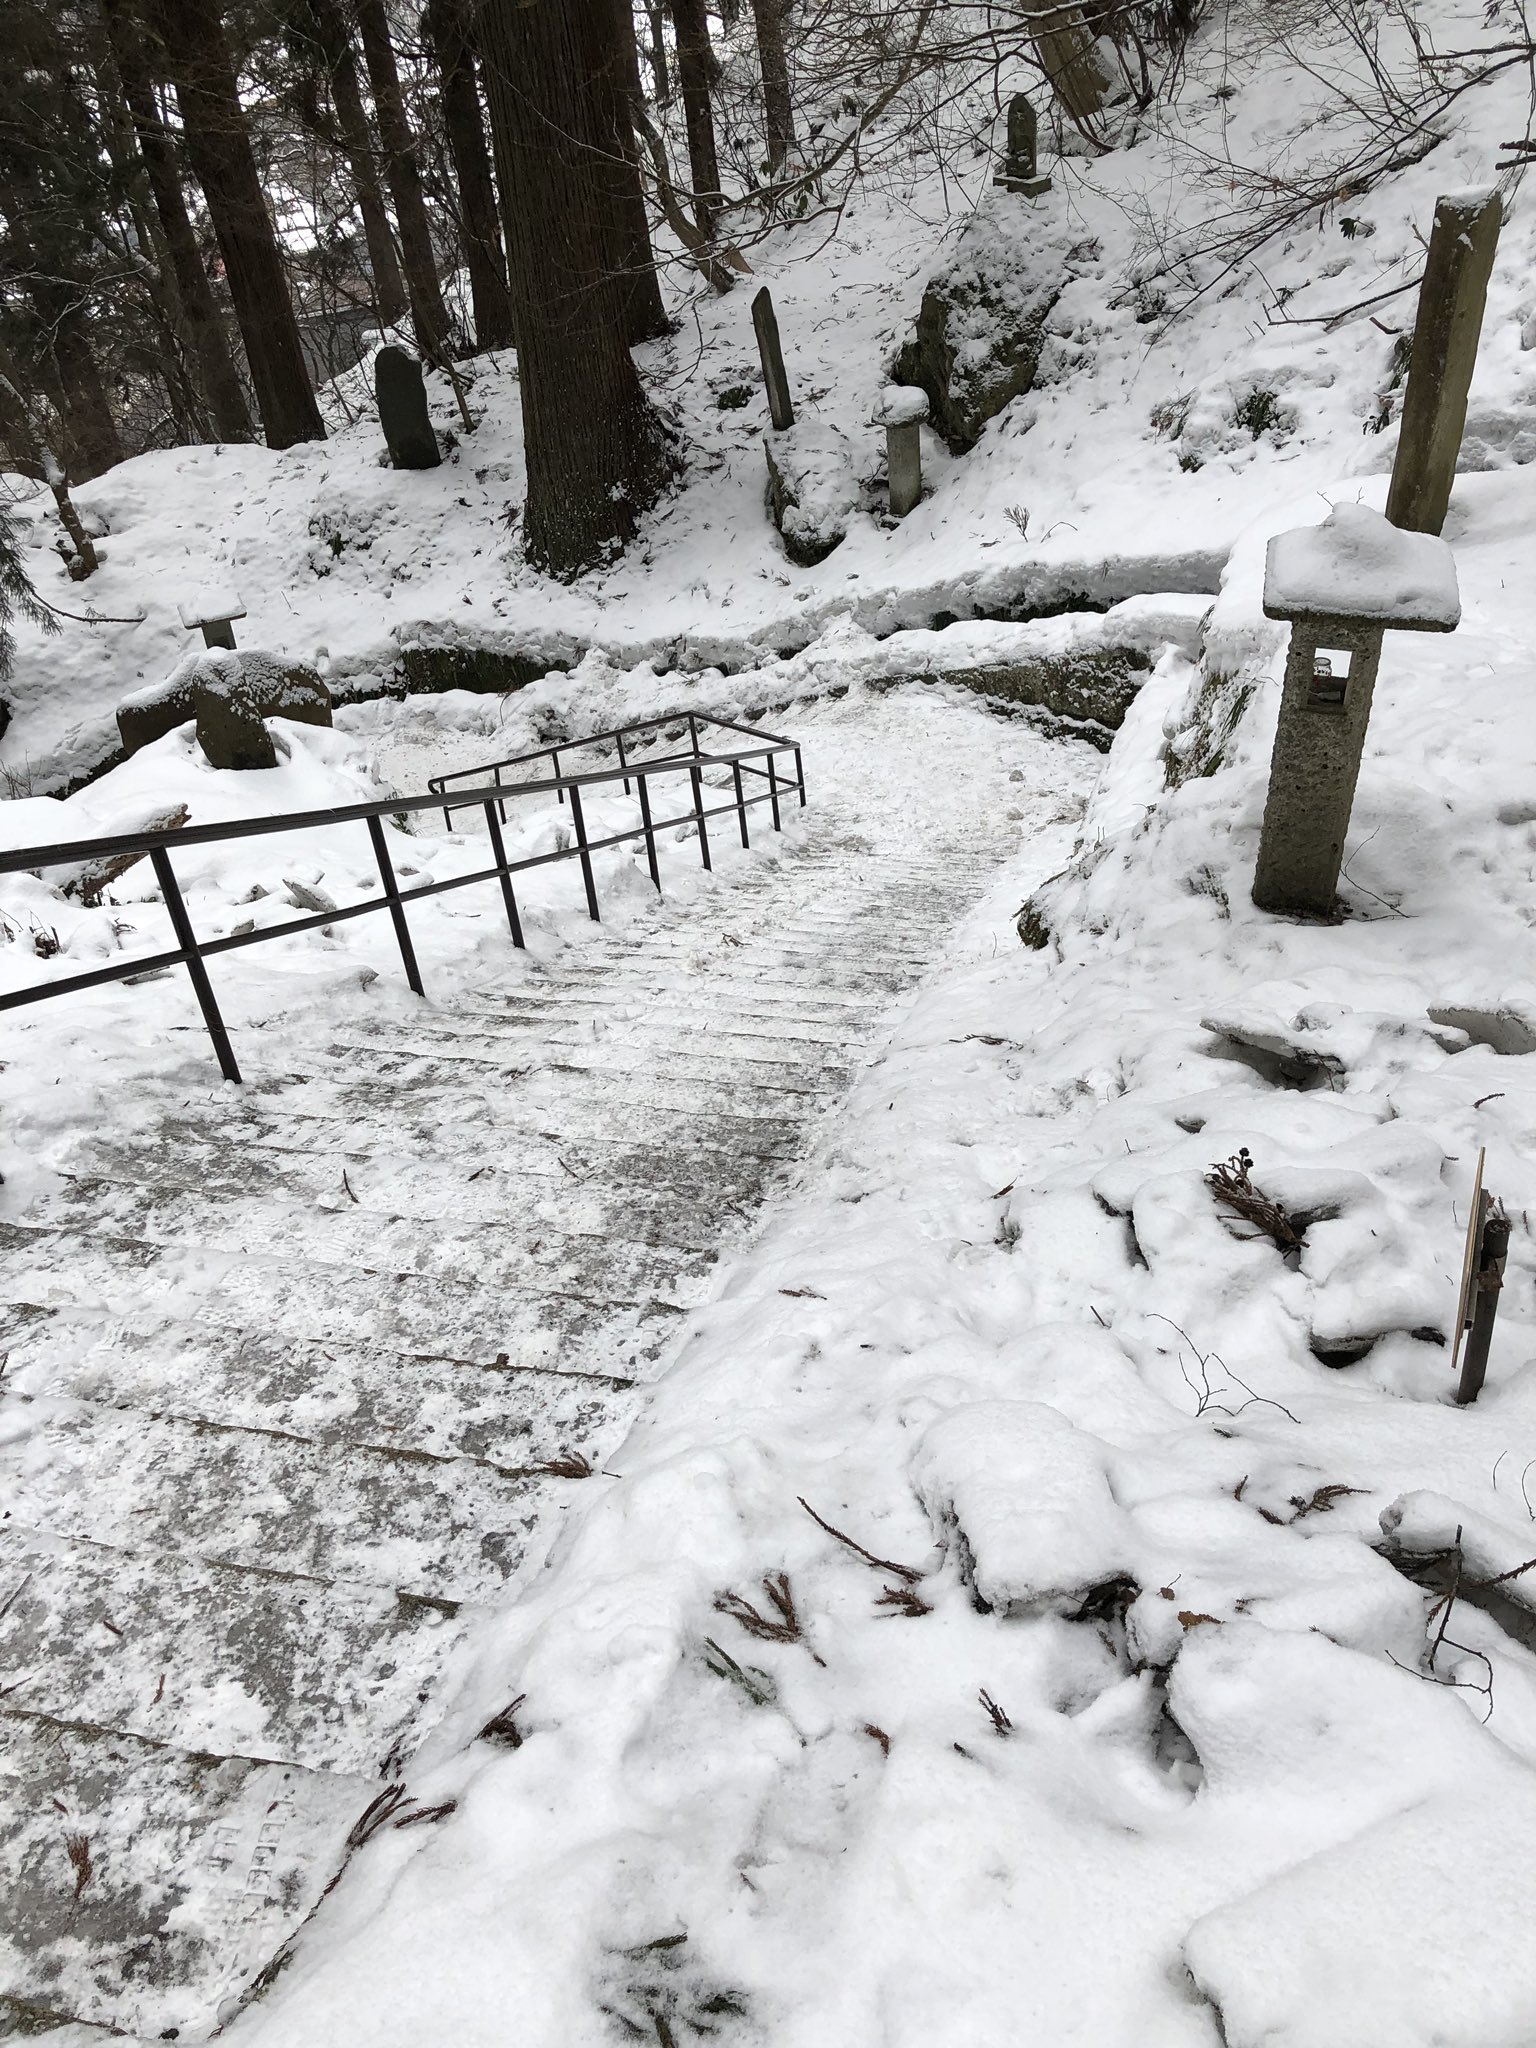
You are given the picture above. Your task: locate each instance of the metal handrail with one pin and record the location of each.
(492, 798)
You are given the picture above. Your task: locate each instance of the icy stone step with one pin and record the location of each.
(213, 1658)
(675, 1196)
(615, 1043)
(809, 1029)
(294, 1297)
(452, 1528)
(329, 1392)
(146, 1888)
(547, 1205)
(564, 1101)
(538, 1256)
(620, 1053)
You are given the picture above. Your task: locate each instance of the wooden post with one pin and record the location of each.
(1445, 338)
(780, 408)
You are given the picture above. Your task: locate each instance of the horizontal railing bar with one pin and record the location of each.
(439, 782)
(151, 963)
(66, 853)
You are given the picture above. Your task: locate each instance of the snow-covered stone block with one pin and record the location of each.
(1416, 1934)
(1028, 1498)
(1355, 565)
(812, 488)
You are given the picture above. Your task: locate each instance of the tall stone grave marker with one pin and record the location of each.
(1342, 585)
(1445, 338)
(403, 415)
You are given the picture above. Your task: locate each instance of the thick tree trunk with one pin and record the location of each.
(778, 107)
(645, 316)
(429, 315)
(357, 142)
(201, 321)
(220, 151)
(595, 454)
(656, 51)
(448, 27)
(696, 71)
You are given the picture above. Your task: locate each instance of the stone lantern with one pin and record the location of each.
(1342, 585)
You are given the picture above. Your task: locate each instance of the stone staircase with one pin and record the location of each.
(297, 1378)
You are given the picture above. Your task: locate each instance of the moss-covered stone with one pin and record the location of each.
(1033, 929)
(1094, 687)
(812, 490)
(489, 671)
(276, 688)
(981, 326)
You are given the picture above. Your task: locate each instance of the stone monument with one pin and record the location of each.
(1342, 585)
(402, 396)
(1021, 165)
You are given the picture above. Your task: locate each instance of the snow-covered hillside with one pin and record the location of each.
(1034, 1602)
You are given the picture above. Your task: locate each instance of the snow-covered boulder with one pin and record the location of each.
(813, 488)
(277, 688)
(981, 325)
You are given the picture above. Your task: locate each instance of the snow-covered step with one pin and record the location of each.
(624, 1047)
(297, 1297)
(400, 1518)
(569, 1187)
(146, 1887)
(214, 1658)
(544, 1257)
(514, 1416)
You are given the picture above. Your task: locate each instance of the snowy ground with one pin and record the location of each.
(1133, 1472)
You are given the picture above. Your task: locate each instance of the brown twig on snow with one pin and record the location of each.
(904, 1600)
(1000, 1721)
(880, 1564)
(788, 1627)
(78, 1849)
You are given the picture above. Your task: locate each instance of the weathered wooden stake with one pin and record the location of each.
(1445, 338)
(1493, 1249)
(780, 408)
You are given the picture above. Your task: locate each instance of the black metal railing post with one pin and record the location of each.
(498, 847)
(396, 907)
(741, 802)
(642, 782)
(623, 763)
(800, 776)
(698, 811)
(503, 804)
(586, 858)
(197, 973)
(773, 791)
(554, 762)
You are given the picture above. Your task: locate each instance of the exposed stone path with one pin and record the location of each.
(286, 1372)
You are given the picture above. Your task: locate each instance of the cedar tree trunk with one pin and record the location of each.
(219, 147)
(447, 23)
(778, 107)
(429, 316)
(645, 315)
(595, 453)
(205, 336)
(696, 71)
(357, 145)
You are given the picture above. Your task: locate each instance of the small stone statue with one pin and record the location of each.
(402, 397)
(1021, 168)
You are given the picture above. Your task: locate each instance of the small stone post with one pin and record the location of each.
(1342, 585)
(1021, 165)
(780, 408)
(1445, 337)
(215, 608)
(901, 410)
(402, 399)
